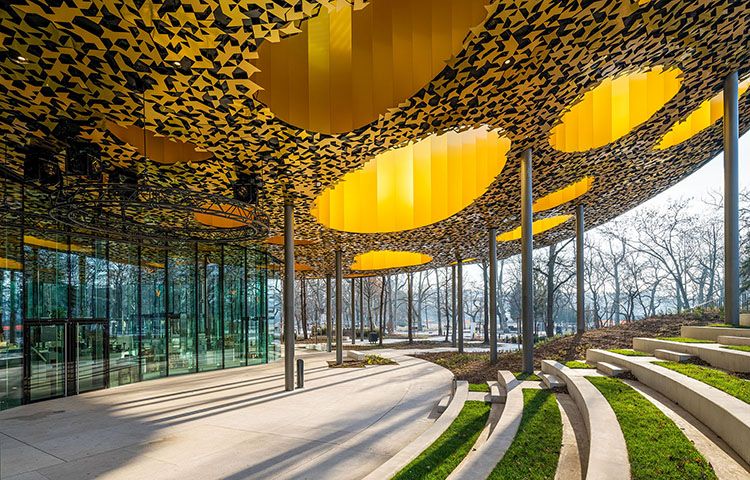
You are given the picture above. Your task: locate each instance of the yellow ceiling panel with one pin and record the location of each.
(537, 227)
(351, 63)
(564, 195)
(385, 259)
(614, 108)
(415, 185)
(707, 113)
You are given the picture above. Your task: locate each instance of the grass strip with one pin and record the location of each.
(439, 459)
(629, 352)
(527, 376)
(726, 382)
(657, 448)
(577, 364)
(740, 348)
(479, 387)
(534, 453)
(726, 325)
(684, 340)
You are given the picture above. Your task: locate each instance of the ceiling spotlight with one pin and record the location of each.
(176, 64)
(21, 60)
(507, 62)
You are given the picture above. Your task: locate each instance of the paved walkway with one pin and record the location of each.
(231, 424)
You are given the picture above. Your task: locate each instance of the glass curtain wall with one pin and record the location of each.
(124, 307)
(181, 307)
(11, 319)
(274, 314)
(80, 314)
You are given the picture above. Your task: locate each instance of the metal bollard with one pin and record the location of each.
(454, 386)
(300, 373)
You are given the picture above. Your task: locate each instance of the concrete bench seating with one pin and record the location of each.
(443, 404)
(712, 353)
(727, 416)
(427, 438)
(552, 382)
(611, 370)
(486, 457)
(732, 340)
(712, 333)
(608, 456)
(497, 395)
(672, 356)
(356, 355)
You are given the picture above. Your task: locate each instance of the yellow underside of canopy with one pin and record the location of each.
(385, 259)
(8, 264)
(707, 113)
(416, 185)
(564, 195)
(614, 108)
(351, 63)
(537, 227)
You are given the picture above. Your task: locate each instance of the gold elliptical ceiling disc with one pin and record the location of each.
(537, 227)
(351, 63)
(385, 259)
(614, 108)
(707, 113)
(564, 195)
(164, 150)
(415, 185)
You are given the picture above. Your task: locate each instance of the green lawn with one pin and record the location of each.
(724, 381)
(727, 325)
(527, 376)
(629, 352)
(577, 364)
(479, 387)
(534, 452)
(741, 348)
(440, 458)
(656, 446)
(684, 340)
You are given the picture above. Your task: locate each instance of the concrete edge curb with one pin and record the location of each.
(713, 353)
(727, 416)
(609, 459)
(492, 451)
(419, 444)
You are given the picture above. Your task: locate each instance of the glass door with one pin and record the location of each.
(88, 345)
(46, 360)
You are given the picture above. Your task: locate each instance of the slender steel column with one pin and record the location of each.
(289, 294)
(361, 312)
(580, 298)
(460, 304)
(527, 252)
(339, 310)
(354, 312)
(731, 202)
(493, 294)
(409, 307)
(453, 305)
(328, 313)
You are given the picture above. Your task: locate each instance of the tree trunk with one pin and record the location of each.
(304, 309)
(439, 321)
(550, 320)
(485, 277)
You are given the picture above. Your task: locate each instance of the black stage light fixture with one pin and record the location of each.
(247, 187)
(40, 165)
(83, 159)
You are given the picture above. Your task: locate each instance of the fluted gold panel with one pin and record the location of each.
(564, 195)
(415, 185)
(614, 108)
(351, 63)
(385, 259)
(538, 226)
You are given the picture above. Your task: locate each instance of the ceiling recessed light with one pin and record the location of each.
(507, 61)
(176, 64)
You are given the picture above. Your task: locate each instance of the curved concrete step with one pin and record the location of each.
(712, 333)
(725, 415)
(732, 340)
(672, 356)
(609, 458)
(427, 438)
(611, 370)
(552, 382)
(496, 394)
(712, 353)
(483, 461)
(726, 463)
